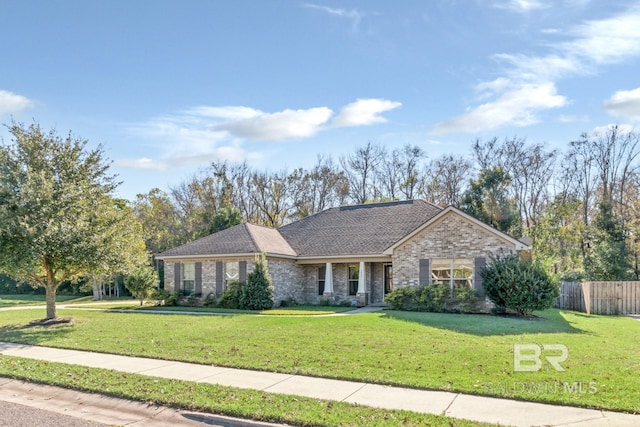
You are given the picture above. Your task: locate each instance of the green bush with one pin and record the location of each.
(466, 299)
(434, 298)
(173, 298)
(287, 303)
(209, 300)
(258, 292)
(231, 296)
(160, 296)
(141, 282)
(519, 285)
(193, 299)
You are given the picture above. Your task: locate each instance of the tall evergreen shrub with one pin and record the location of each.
(519, 285)
(257, 294)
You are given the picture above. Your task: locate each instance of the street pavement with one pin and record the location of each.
(24, 404)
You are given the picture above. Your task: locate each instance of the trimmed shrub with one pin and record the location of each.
(174, 298)
(209, 300)
(232, 296)
(258, 292)
(193, 300)
(466, 299)
(160, 296)
(433, 298)
(519, 285)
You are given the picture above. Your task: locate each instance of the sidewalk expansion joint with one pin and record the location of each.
(359, 388)
(278, 382)
(450, 403)
(579, 422)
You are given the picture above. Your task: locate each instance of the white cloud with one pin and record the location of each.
(353, 15)
(229, 112)
(364, 112)
(572, 119)
(540, 68)
(141, 163)
(12, 103)
(516, 106)
(199, 135)
(279, 126)
(520, 6)
(224, 153)
(588, 47)
(624, 103)
(592, 43)
(608, 40)
(622, 129)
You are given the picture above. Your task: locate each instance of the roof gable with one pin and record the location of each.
(240, 239)
(269, 240)
(518, 245)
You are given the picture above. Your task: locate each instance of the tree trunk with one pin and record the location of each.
(51, 302)
(97, 293)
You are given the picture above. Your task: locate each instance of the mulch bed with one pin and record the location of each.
(49, 322)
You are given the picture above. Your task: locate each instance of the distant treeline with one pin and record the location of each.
(581, 206)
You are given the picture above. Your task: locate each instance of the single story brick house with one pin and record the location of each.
(350, 253)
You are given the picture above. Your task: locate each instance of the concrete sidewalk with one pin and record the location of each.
(487, 409)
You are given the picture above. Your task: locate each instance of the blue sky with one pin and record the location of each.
(169, 86)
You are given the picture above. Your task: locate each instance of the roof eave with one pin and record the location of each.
(227, 255)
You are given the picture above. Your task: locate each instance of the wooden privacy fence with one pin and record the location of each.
(600, 297)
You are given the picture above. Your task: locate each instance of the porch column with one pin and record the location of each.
(328, 281)
(361, 295)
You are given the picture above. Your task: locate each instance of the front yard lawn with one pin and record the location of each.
(9, 300)
(465, 353)
(299, 310)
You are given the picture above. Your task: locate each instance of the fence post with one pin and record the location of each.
(586, 294)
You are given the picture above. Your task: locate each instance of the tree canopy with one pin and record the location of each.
(58, 218)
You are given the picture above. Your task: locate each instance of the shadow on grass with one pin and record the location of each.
(28, 334)
(547, 322)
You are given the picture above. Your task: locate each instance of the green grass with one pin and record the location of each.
(10, 300)
(127, 303)
(464, 353)
(249, 404)
(301, 310)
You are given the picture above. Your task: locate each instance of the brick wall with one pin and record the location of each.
(169, 284)
(208, 273)
(375, 287)
(453, 236)
(288, 280)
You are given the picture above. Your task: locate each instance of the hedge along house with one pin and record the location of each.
(351, 253)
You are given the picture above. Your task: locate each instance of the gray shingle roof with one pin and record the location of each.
(357, 230)
(240, 239)
(270, 240)
(348, 230)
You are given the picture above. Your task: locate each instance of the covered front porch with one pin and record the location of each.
(357, 282)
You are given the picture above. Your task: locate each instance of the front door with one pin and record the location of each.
(388, 278)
